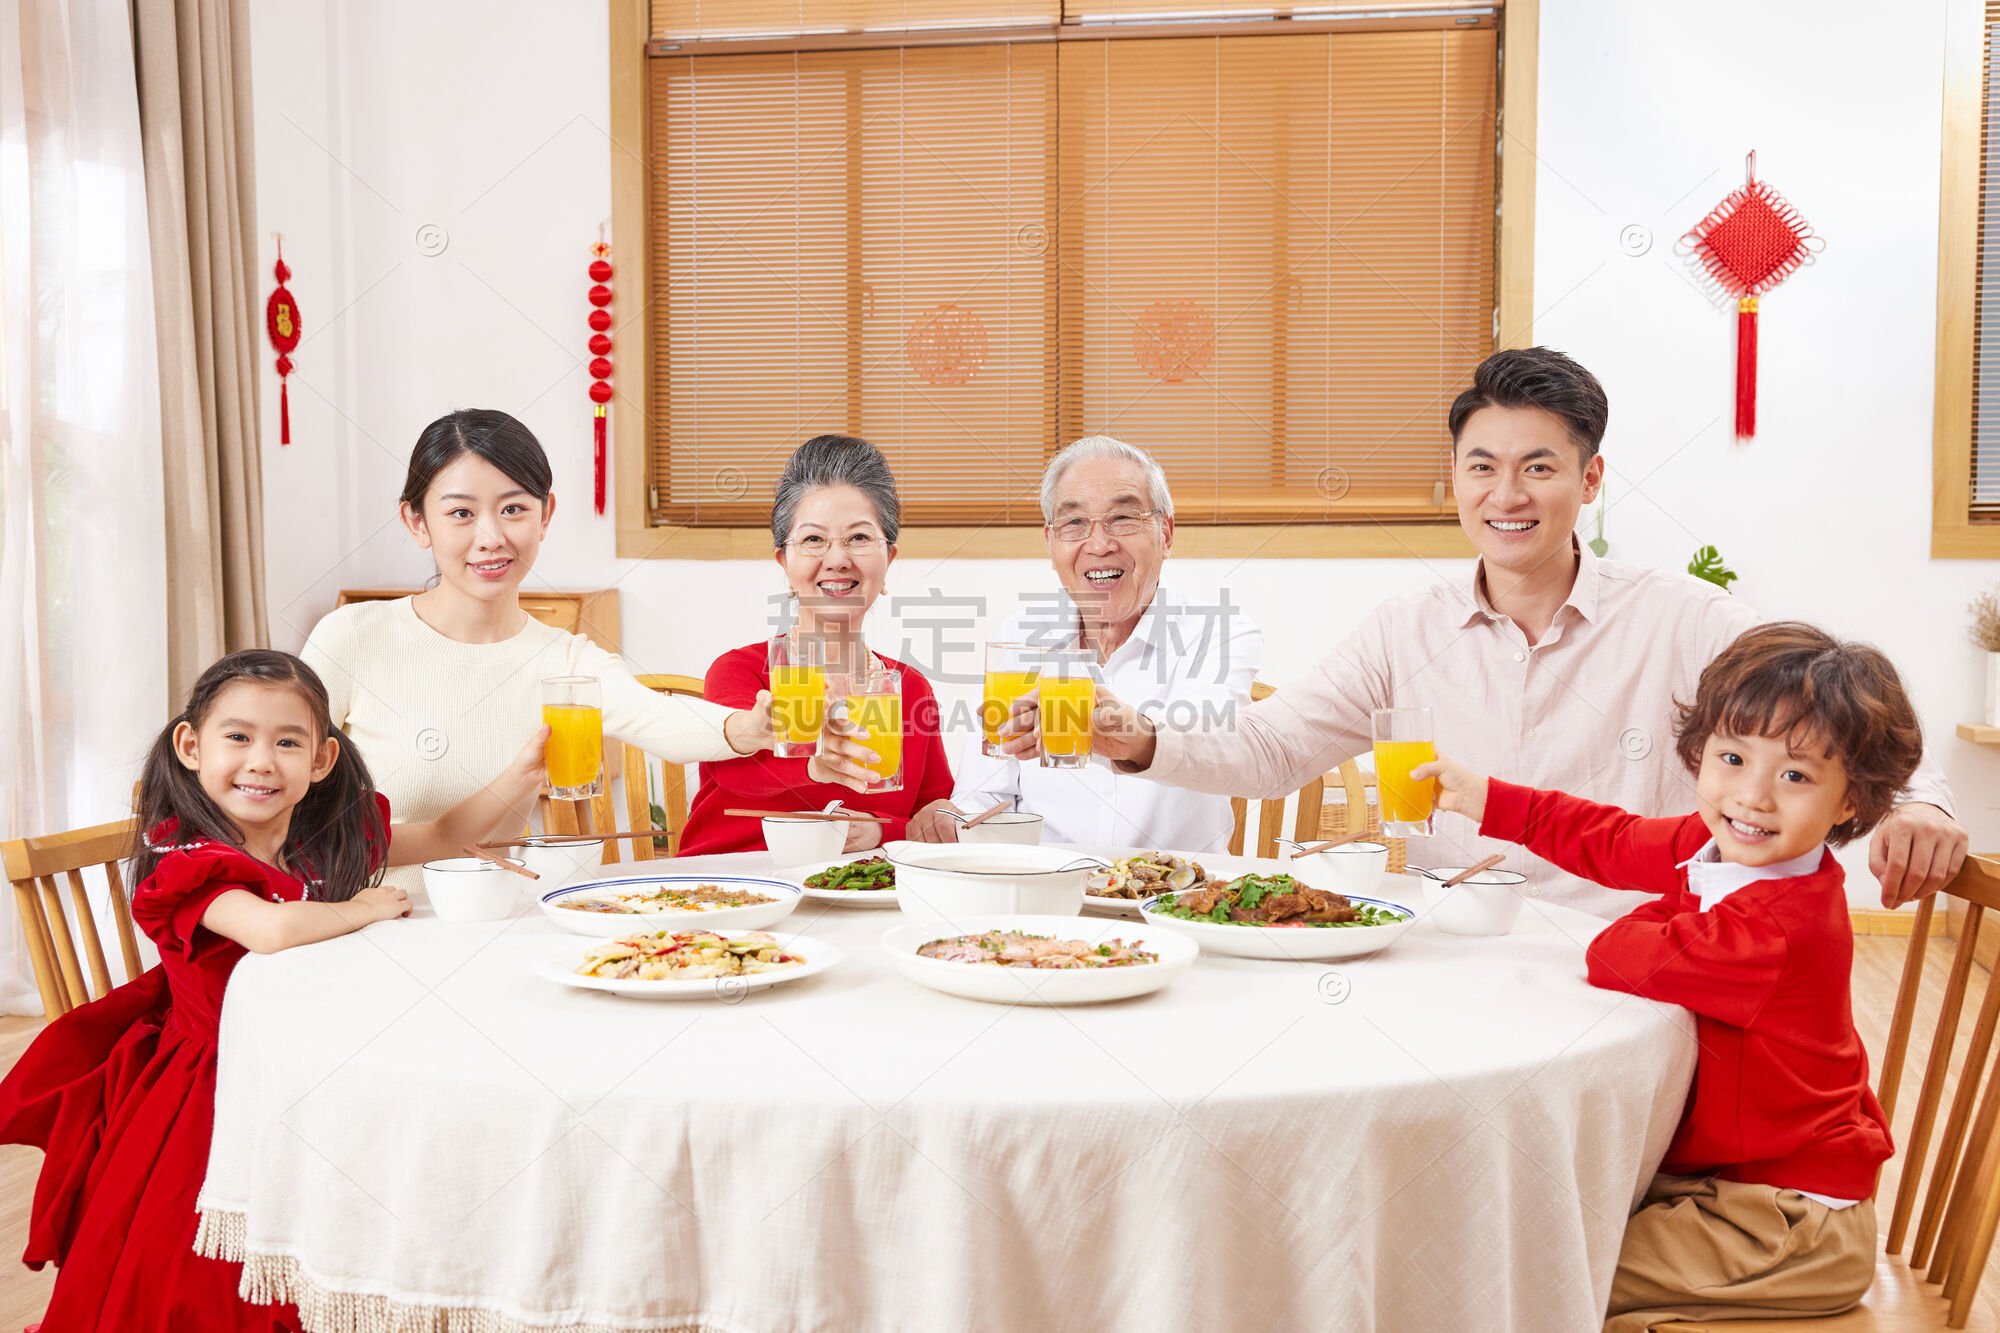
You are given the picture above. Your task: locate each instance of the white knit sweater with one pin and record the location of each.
(436, 719)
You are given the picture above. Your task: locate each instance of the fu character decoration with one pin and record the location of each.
(1752, 241)
(600, 356)
(281, 322)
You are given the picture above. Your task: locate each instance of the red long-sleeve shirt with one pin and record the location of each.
(765, 782)
(1781, 1093)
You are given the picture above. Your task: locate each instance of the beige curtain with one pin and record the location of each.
(193, 62)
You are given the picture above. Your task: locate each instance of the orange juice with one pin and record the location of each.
(798, 703)
(575, 753)
(881, 717)
(1002, 689)
(1067, 702)
(1404, 800)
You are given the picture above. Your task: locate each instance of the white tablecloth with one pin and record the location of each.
(1448, 1135)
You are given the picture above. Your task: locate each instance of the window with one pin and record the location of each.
(1266, 249)
(1965, 518)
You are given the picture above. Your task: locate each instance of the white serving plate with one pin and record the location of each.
(1302, 944)
(752, 916)
(819, 956)
(1010, 985)
(1121, 907)
(796, 875)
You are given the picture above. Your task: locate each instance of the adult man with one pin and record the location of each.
(1549, 666)
(1109, 520)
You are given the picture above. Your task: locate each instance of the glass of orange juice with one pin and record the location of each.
(874, 698)
(1068, 684)
(1403, 739)
(1010, 673)
(575, 754)
(798, 693)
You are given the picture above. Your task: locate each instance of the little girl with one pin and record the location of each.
(1798, 743)
(263, 832)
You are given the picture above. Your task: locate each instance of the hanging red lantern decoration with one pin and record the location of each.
(1749, 243)
(281, 322)
(600, 352)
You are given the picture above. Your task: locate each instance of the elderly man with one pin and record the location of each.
(1109, 520)
(1548, 666)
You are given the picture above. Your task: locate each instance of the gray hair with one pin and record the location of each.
(835, 460)
(1104, 446)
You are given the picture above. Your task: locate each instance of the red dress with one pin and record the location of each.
(765, 782)
(120, 1097)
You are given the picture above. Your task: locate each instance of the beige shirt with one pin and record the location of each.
(1588, 710)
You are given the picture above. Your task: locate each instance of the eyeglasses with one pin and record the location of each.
(1117, 525)
(856, 544)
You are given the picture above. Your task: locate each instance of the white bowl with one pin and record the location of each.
(751, 916)
(1010, 985)
(1017, 829)
(791, 841)
(1356, 867)
(465, 888)
(558, 864)
(948, 882)
(1486, 904)
(1299, 944)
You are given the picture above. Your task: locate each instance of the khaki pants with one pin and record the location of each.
(1704, 1248)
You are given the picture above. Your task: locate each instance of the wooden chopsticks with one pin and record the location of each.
(1474, 869)
(984, 815)
(1322, 846)
(836, 816)
(565, 839)
(502, 862)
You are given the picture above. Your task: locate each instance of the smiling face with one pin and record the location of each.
(256, 754)
(1768, 800)
(1111, 577)
(1521, 481)
(483, 527)
(835, 583)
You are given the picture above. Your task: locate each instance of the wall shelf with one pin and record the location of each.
(1979, 734)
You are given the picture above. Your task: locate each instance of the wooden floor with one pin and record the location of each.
(1898, 1303)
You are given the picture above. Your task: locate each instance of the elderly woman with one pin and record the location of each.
(834, 526)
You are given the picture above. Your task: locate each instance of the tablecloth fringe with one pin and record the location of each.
(271, 1279)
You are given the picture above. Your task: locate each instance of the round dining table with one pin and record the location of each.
(415, 1130)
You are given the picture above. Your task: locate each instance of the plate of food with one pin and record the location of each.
(691, 964)
(1277, 916)
(618, 906)
(1130, 880)
(863, 880)
(1039, 959)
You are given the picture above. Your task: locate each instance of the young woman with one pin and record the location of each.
(438, 689)
(833, 525)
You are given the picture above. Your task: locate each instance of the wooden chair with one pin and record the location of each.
(1314, 818)
(33, 865)
(1950, 1237)
(598, 814)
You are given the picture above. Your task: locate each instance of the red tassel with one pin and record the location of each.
(1746, 368)
(597, 431)
(284, 412)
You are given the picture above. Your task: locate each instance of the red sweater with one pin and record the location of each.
(765, 782)
(1781, 1092)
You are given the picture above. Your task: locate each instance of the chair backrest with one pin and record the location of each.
(1314, 818)
(33, 866)
(1961, 1195)
(599, 814)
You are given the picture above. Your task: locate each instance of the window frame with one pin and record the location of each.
(637, 539)
(1954, 536)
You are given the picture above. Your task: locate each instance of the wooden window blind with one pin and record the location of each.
(856, 242)
(717, 20)
(1268, 259)
(1986, 292)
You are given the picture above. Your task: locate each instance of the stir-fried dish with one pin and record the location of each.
(666, 898)
(1014, 948)
(666, 955)
(1272, 900)
(1144, 875)
(862, 876)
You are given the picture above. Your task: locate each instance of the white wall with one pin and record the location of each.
(374, 120)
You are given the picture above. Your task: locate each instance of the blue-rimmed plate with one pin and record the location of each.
(1302, 944)
(647, 903)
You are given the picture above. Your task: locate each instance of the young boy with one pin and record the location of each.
(1798, 743)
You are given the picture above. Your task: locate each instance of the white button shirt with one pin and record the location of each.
(1188, 663)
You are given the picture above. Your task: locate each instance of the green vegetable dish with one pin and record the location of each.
(1271, 900)
(857, 876)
